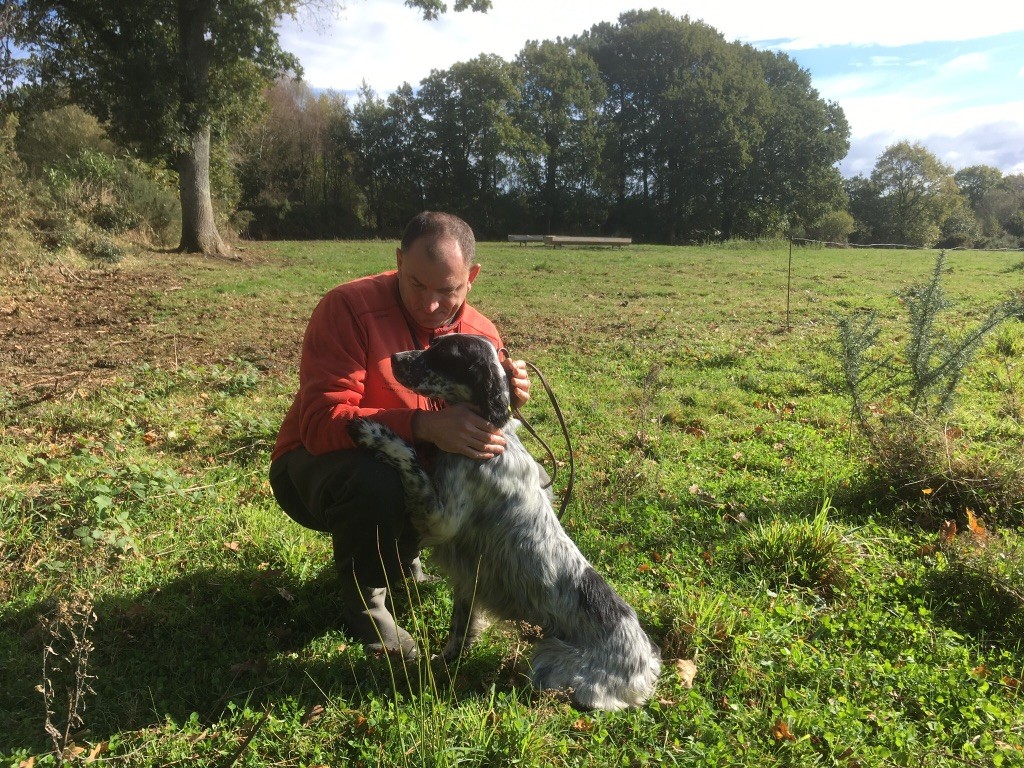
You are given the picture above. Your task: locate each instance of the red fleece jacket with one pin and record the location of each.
(345, 370)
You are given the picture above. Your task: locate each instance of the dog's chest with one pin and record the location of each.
(487, 492)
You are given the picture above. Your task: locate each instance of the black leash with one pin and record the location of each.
(565, 433)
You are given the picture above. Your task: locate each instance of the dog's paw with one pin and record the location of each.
(366, 433)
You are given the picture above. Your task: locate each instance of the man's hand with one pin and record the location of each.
(518, 381)
(459, 429)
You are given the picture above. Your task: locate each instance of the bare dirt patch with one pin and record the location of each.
(70, 329)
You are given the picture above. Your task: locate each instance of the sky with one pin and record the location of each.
(946, 75)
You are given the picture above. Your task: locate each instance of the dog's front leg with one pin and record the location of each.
(421, 500)
(468, 623)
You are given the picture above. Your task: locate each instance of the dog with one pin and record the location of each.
(493, 532)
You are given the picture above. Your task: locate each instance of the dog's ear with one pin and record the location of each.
(493, 392)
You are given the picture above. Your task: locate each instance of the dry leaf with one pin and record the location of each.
(285, 594)
(313, 714)
(643, 568)
(233, 546)
(30, 763)
(150, 437)
(687, 670)
(947, 531)
(97, 751)
(583, 725)
(781, 731)
(975, 525)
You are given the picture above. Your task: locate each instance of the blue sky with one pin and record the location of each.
(950, 76)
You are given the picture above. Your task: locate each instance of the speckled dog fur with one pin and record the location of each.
(492, 530)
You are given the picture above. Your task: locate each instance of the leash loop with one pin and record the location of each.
(565, 434)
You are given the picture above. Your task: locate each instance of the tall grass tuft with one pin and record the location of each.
(979, 586)
(808, 553)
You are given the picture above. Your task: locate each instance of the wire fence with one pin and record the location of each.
(833, 244)
(895, 246)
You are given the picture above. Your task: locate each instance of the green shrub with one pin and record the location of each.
(13, 199)
(833, 227)
(902, 402)
(101, 248)
(56, 230)
(47, 138)
(979, 585)
(116, 194)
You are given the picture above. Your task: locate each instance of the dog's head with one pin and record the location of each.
(457, 368)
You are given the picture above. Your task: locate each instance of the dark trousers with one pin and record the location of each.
(356, 499)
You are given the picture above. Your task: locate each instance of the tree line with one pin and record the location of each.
(653, 126)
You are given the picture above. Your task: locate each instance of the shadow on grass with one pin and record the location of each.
(192, 645)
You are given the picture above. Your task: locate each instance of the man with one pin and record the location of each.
(319, 477)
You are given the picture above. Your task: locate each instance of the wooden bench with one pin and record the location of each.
(557, 241)
(524, 239)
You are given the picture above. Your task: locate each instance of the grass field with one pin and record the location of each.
(831, 612)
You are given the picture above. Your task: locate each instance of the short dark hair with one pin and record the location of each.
(438, 224)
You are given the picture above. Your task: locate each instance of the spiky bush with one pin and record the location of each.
(904, 404)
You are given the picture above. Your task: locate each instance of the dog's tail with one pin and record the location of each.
(617, 672)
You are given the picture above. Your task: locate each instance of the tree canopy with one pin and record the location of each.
(166, 75)
(653, 126)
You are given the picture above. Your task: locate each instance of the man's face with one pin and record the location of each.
(433, 280)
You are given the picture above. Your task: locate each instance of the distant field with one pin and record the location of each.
(719, 488)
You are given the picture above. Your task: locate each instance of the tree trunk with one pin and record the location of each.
(198, 228)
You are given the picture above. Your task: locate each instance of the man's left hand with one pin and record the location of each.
(518, 381)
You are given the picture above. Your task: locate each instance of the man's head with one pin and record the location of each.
(435, 267)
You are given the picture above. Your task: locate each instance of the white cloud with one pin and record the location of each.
(387, 43)
(968, 64)
(886, 98)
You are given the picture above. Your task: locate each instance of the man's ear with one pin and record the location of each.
(398, 258)
(473, 272)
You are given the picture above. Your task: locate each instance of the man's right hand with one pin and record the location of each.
(459, 429)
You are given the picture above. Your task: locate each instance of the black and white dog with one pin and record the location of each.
(492, 530)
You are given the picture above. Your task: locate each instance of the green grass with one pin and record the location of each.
(719, 489)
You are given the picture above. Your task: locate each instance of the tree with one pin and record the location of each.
(167, 75)
(976, 181)
(389, 137)
(915, 192)
(709, 139)
(468, 130)
(162, 74)
(10, 66)
(558, 112)
(297, 165)
(792, 180)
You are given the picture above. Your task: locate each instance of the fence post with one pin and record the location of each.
(789, 282)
